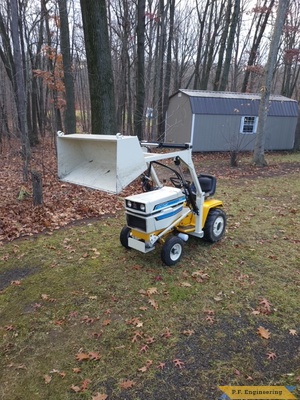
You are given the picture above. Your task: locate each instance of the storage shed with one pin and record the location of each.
(223, 121)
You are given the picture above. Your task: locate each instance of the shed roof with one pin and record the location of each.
(228, 103)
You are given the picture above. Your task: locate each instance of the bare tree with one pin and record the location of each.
(264, 13)
(159, 64)
(230, 42)
(168, 69)
(70, 117)
(291, 51)
(140, 70)
(20, 88)
(101, 81)
(222, 46)
(202, 15)
(258, 155)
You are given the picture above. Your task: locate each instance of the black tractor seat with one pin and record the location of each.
(208, 185)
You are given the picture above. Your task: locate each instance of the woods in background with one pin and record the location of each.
(152, 48)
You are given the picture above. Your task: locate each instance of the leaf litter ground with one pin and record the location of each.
(83, 318)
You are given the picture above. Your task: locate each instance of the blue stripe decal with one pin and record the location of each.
(170, 203)
(170, 214)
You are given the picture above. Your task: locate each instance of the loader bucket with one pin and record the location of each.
(104, 162)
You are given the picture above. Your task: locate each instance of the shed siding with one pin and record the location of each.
(279, 135)
(179, 120)
(217, 120)
(221, 133)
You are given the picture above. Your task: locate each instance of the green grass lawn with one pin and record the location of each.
(83, 318)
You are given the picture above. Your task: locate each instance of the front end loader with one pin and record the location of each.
(174, 202)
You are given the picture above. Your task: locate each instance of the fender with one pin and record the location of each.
(207, 206)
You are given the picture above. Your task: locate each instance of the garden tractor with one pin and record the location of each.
(174, 202)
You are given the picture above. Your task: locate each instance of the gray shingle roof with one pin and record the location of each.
(227, 103)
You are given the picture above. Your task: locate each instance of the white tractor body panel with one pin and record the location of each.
(160, 208)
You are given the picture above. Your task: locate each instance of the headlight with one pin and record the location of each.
(142, 207)
(129, 204)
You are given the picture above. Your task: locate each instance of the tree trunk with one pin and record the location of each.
(37, 188)
(168, 64)
(222, 47)
(160, 80)
(297, 136)
(212, 44)
(202, 20)
(101, 82)
(70, 116)
(140, 71)
(260, 28)
(51, 67)
(20, 88)
(230, 43)
(258, 155)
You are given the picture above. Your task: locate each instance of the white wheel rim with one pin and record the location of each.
(175, 252)
(218, 226)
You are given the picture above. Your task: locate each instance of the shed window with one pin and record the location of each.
(248, 125)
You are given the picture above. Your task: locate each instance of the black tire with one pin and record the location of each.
(172, 250)
(124, 235)
(215, 225)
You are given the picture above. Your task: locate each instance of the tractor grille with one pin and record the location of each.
(136, 222)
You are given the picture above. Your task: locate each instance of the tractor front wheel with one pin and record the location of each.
(172, 250)
(215, 225)
(124, 235)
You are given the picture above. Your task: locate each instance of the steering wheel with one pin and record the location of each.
(176, 182)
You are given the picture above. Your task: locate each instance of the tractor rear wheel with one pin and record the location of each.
(172, 250)
(124, 235)
(215, 225)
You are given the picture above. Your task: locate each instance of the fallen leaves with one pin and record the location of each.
(153, 303)
(166, 333)
(293, 332)
(82, 356)
(161, 365)
(137, 335)
(144, 348)
(264, 333)
(89, 320)
(20, 218)
(100, 396)
(9, 328)
(146, 367)
(271, 355)
(15, 283)
(264, 307)
(47, 379)
(83, 386)
(152, 290)
(95, 356)
(188, 332)
(135, 322)
(185, 284)
(178, 363)
(127, 384)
